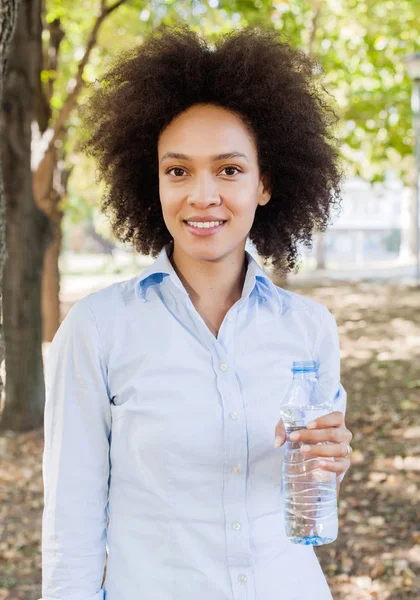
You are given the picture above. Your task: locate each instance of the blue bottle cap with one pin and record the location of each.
(305, 366)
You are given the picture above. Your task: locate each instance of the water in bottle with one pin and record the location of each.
(309, 492)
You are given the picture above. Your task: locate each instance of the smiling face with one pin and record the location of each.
(209, 175)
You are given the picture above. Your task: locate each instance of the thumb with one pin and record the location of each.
(280, 434)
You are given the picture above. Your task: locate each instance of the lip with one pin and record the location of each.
(205, 231)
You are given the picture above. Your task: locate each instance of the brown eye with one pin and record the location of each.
(235, 168)
(175, 169)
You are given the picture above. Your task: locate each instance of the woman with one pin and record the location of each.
(163, 391)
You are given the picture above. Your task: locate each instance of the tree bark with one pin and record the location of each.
(8, 17)
(27, 230)
(50, 295)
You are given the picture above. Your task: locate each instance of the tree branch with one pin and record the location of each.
(313, 26)
(70, 101)
(48, 62)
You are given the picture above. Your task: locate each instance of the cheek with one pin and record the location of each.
(168, 202)
(167, 214)
(244, 208)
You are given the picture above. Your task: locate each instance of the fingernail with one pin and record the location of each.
(305, 448)
(294, 436)
(278, 441)
(311, 425)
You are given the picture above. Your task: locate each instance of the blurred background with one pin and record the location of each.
(365, 267)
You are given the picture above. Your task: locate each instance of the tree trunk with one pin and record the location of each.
(51, 285)
(50, 187)
(49, 179)
(8, 17)
(320, 250)
(27, 231)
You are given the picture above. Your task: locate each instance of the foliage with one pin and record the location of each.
(360, 44)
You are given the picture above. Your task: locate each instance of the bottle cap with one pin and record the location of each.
(305, 366)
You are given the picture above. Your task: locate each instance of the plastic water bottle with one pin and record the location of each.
(309, 492)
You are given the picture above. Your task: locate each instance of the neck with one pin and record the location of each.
(211, 282)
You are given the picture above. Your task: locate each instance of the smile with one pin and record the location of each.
(206, 225)
(207, 228)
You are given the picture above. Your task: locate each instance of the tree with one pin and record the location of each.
(51, 173)
(26, 229)
(8, 16)
(32, 203)
(362, 45)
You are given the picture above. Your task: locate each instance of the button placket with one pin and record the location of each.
(235, 440)
(222, 351)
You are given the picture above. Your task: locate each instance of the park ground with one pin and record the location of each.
(377, 553)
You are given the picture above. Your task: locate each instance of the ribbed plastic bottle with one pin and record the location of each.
(309, 492)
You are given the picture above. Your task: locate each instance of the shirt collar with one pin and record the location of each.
(256, 278)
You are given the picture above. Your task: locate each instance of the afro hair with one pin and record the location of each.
(251, 71)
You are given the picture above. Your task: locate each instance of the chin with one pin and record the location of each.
(207, 255)
(210, 252)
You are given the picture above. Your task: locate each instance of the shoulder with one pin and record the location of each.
(101, 312)
(109, 300)
(313, 317)
(292, 302)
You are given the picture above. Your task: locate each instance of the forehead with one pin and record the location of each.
(206, 129)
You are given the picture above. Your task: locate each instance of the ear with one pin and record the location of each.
(264, 190)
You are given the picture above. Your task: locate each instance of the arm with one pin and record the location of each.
(77, 422)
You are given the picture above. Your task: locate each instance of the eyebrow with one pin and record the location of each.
(181, 156)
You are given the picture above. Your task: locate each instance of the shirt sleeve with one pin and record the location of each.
(328, 356)
(77, 423)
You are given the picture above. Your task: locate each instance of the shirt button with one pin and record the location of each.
(235, 470)
(236, 526)
(224, 367)
(242, 578)
(234, 416)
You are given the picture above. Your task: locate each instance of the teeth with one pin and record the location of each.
(205, 225)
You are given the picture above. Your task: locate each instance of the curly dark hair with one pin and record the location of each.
(250, 71)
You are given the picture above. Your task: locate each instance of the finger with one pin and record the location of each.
(280, 434)
(334, 419)
(339, 466)
(336, 450)
(332, 434)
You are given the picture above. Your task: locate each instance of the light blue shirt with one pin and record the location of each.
(153, 422)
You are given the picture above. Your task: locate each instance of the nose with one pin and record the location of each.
(204, 193)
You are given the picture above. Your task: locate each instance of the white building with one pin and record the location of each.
(370, 225)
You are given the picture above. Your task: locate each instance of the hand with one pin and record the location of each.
(329, 428)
